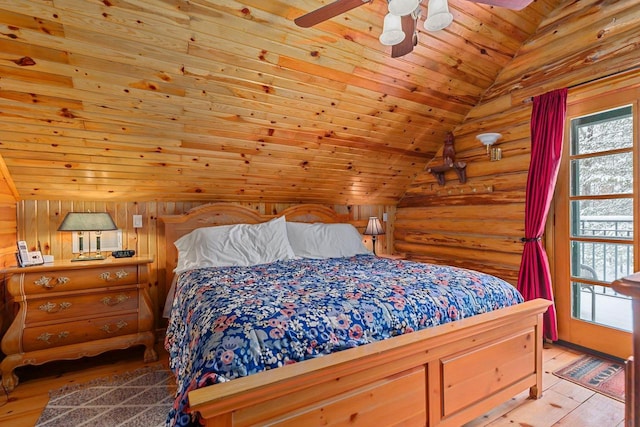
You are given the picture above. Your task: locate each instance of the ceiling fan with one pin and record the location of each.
(400, 25)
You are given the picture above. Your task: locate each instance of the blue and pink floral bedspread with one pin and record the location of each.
(235, 321)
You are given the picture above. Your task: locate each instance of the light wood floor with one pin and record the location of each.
(562, 404)
(26, 402)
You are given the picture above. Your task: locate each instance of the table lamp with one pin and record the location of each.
(374, 229)
(88, 221)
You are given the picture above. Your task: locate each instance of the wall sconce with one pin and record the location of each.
(88, 221)
(488, 139)
(374, 228)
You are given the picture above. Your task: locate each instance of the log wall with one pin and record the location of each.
(38, 221)
(8, 230)
(8, 222)
(479, 224)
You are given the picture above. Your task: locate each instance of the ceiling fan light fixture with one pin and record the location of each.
(402, 7)
(392, 33)
(438, 16)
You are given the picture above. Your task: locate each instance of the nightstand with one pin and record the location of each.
(68, 310)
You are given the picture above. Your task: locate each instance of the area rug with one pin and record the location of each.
(133, 399)
(597, 374)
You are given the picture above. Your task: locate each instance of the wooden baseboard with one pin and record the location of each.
(586, 350)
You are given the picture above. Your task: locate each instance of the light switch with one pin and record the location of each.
(384, 217)
(137, 221)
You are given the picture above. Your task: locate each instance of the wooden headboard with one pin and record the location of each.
(176, 226)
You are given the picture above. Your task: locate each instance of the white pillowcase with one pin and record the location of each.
(231, 245)
(325, 240)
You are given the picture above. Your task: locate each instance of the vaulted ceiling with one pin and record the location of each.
(230, 100)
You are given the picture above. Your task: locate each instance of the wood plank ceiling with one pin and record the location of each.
(230, 100)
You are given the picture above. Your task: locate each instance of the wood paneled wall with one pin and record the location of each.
(479, 224)
(38, 221)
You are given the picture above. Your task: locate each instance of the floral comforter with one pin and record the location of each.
(235, 321)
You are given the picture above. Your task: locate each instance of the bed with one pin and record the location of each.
(446, 374)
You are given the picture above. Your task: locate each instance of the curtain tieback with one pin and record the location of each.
(531, 239)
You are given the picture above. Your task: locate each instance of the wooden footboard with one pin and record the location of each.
(442, 376)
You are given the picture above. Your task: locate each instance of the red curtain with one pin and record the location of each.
(547, 131)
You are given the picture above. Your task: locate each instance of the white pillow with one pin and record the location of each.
(230, 245)
(325, 240)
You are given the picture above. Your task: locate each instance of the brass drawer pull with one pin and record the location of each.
(107, 328)
(46, 336)
(50, 282)
(120, 274)
(52, 307)
(114, 301)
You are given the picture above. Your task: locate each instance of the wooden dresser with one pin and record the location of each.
(68, 310)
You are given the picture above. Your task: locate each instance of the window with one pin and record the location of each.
(601, 219)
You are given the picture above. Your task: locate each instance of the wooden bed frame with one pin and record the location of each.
(442, 376)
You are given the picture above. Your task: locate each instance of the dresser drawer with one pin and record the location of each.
(71, 280)
(43, 337)
(70, 306)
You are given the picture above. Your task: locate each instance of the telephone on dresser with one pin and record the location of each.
(26, 258)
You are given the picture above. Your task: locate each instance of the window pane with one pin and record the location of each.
(601, 305)
(607, 130)
(600, 261)
(608, 218)
(612, 174)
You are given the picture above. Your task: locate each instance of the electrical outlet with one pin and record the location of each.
(384, 217)
(137, 221)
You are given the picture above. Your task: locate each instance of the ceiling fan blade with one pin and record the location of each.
(410, 37)
(509, 4)
(327, 12)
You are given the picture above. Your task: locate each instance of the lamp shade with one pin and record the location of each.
(402, 7)
(392, 33)
(488, 138)
(87, 221)
(438, 16)
(374, 227)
